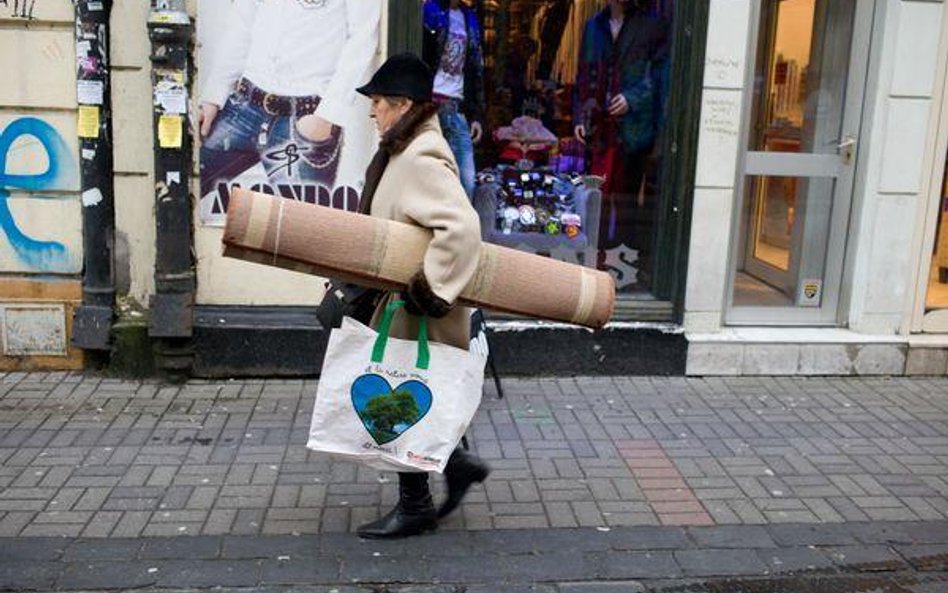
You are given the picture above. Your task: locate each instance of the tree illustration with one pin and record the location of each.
(385, 412)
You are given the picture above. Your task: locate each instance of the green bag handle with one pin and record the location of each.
(378, 351)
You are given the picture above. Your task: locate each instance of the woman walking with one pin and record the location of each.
(413, 179)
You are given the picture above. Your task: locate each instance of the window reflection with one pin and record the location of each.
(570, 162)
(938, 278)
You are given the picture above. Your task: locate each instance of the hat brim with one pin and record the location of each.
(368, 90)
(371, 89)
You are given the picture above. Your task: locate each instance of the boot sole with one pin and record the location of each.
(400, 535)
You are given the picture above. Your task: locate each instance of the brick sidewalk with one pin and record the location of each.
(82, 456)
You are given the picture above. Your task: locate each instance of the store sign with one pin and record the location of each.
(811, 292)
(278, 111)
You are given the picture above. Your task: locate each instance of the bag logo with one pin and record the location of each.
(385, 412)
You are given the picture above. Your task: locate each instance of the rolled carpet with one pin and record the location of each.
(380, 253)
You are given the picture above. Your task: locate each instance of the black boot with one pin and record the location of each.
(462, 470)
(413, 514)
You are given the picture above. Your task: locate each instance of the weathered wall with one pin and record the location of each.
(40, 207)
(133, 154)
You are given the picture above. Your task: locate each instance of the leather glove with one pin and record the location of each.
(420, 300)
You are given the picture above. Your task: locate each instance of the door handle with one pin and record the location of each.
(849, 141)
(847, 149)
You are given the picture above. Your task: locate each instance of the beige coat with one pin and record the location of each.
(421, 186)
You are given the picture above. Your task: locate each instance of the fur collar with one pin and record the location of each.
(404, 131)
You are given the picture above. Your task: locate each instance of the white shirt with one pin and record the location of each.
(298, 48)
(449, 80)
(615, 25)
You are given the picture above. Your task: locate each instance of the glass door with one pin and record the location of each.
(798, 168)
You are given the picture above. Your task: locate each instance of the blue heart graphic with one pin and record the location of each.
(385, 412)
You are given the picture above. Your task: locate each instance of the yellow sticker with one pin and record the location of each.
(88, 121)
(170, 131)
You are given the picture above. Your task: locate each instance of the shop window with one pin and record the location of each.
(569, 164)
(937, 297)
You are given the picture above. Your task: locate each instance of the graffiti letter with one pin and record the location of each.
(42, 255)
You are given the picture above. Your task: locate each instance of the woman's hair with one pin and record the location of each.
(403, 132)
(394, 101)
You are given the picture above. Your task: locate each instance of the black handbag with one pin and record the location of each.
(344, 299)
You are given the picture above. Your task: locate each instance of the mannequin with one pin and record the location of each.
(452, 49)
(618, 111)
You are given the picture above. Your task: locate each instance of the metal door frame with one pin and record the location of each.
(922, 320)
(827, 314)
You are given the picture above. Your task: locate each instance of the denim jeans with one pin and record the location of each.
(457, 132)
(244, 134)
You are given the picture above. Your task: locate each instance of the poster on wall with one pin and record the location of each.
(278, 111)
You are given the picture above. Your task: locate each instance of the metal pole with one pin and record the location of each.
(169, 29)
(92, 324)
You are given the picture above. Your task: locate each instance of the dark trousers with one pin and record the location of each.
(244, 135)
(623, 221)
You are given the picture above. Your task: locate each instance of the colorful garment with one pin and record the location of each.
(449, 78)
(635, 65)
(437, 21)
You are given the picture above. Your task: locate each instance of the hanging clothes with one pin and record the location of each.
(564, 65)
(551, 34)
(630, 66)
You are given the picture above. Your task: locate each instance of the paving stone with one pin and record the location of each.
(521, 522)
(374, 569)
(131, 524)
(191, 548)
(891, 533)
(617, 587)
(136, 475)
(490, 588)
(101, 524)
(649, 538)
(242, 547)
(207, 573)
(13, 522)
(98, 549)
(636, 565)
(52, 530)
(738, 536)
(248, 521)
(560, 514)
(891, 514)
(28, 575)
(706, 563)
(109, 575)
(811, 535)
(797, 559)
(925, 557)
(39, 548)
(551, 566)
(866, 558)
(847, 509)
(587, 513)
(469, 569)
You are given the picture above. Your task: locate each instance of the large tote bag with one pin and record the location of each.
(393, 404)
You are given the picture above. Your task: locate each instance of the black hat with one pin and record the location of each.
(402, 75)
